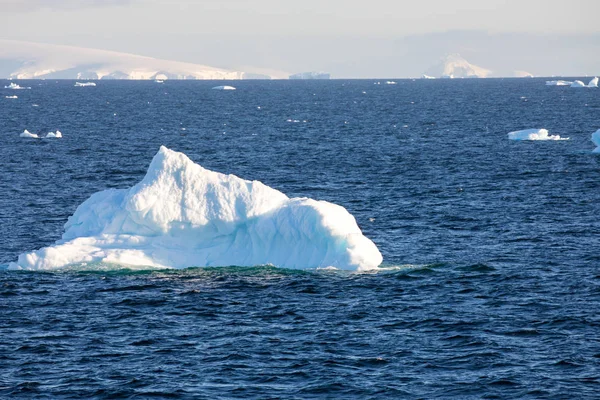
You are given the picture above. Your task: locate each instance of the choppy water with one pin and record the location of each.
(493, 286)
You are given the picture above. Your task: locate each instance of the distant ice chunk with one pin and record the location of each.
(11, 97)
(593, 82)
(15, 86)
(558, 83)
(391, 83)
(84, 84)
(577, 84)
(427, 77)
(159, 81)
(223, 88)
(27, 134)
(533, 134)
(56, 134)
(596, 140)
(182, 215)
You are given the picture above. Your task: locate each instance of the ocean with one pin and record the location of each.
(491, 278)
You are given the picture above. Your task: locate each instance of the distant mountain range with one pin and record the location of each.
(25, 60)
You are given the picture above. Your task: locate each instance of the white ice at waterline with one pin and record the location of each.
(84, 84)
(182, 215)
(577, 84)
(593, 83)
(533, 134)
(27, 134)
(224, 88)
(15, 86)
(558, 83)
(596, 140)
(56, 134)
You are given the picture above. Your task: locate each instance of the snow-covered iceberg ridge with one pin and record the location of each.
(182, 215)
(596, 140)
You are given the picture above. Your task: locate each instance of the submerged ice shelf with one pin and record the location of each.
(182, 215)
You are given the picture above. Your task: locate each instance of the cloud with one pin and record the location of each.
(21, 6)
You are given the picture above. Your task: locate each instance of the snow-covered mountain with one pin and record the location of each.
(26, 60)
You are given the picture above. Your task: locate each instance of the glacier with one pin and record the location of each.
(596, 140)
(182, 215)
(533, 134)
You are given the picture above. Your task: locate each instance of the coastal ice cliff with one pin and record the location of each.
(182, 215)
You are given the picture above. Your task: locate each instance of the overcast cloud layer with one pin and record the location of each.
(349, 39)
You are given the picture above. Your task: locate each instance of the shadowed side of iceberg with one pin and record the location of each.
(182, 215)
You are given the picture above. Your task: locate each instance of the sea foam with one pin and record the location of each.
(182, 215)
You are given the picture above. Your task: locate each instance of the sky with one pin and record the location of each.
(347, 38)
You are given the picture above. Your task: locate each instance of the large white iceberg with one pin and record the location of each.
(593, 82)
(533, 134)
(596, 140)
(182, 215)
(577, 84)
(27, 134)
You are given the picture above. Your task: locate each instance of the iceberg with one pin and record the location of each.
(558, 83)
(182, 215)
(84, 84)
(15, 86)
(596, 140)
(577, 84)
(224, 88)
(533, 134)
(593, 83)
(56, 134)
(427, 77)
(27, 134)
(11, 97)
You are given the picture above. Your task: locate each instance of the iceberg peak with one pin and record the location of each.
(182, 215)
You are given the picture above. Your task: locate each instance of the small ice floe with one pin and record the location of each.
(391, 83)
(558, 83)
(35, 105)
(533, 134)
(596, 140)
(27, 134)
(593, 82)
(84, 84)
(11, 97)
(295, 121)
(159, 81)
(223, 88)
(577, 84)
(426, 77)
(54, 135)
(15, 86)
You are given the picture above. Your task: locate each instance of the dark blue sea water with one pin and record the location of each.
(493, 286)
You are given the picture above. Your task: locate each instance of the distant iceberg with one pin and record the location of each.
(223, 88)
(182, 215)
(56, 134)
(533, 134)
(427, 77)
(577, 84)
(15, 86)
(11, 97)
(558, 83)
(596, 140)
(391, 83)
(27, 134)
(311, 75)
(593, 83)
(84, 84)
